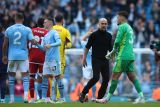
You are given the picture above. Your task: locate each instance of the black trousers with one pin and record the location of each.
(99, 66)
(3, 78)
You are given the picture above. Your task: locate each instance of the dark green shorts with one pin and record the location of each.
(124, 66)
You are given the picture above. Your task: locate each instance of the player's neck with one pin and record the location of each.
(18, 22)
(59, 24)
(124, 21)
(50, 28)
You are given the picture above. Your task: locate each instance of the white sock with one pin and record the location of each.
(26, 95)
(12, 97)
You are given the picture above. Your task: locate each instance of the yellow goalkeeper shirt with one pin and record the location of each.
(65, 41)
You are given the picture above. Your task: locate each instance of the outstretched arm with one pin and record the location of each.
(86, 36)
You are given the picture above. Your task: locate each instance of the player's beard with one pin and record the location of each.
(103, 29)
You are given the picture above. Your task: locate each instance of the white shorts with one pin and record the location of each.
(18, 65)
(87, 72)
(51, 68)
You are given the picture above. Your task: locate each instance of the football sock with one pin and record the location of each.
(44, 87)
(31, 87)
(60, 87)
(53, 90)
(138, 87)
(11, 87)
(25, 86)
(39, 90)
(113, 86)
(94, 91)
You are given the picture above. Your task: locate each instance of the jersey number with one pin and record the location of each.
(17, 38)
(131, 39)
(37, 38)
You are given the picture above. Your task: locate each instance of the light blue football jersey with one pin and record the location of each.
(52, 38)
(18, 36)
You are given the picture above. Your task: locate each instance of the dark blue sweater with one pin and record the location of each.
(3, 68)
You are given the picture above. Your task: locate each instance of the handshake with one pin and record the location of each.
(111, 55)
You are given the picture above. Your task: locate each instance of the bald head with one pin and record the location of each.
(102, 24)
(102, 19)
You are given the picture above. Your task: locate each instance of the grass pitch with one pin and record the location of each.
(86, 104)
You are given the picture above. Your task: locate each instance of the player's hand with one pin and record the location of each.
(47, 46)
(108, 55)
(111, 55)
(84, 62)
(5, 59)
(34, 42)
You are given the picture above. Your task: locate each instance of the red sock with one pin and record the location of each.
(49, 86)
(31, 87)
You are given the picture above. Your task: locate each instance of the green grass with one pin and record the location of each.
(90, 104)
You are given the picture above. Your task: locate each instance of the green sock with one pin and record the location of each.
(140, 94)
(138, 87)
(109, 95)
(113, 86)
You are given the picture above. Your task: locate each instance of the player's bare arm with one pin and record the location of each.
(86, 36)
(34, 42)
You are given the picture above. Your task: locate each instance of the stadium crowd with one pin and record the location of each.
(80, 15)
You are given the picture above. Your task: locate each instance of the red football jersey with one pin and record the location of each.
(36, 55)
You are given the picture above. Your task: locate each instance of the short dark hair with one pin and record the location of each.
(50, 19)
(58, 17)
(40, 22)
(123, 13)
(19, 16)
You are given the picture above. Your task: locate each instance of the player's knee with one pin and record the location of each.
(105, 80)
(58, 76)
(24, 74)
(32, 76)
(131, 76)
(115, 76)
(96, 78)
(40, 75)
(46, 76)
(39, 78)
(13, 74)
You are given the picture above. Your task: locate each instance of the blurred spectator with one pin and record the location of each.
(156, 14)
(151, 32)
(146, 84)
(132, 14)
(140, 33)
(18, 88)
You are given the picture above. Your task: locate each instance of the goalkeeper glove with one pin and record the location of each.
(111, 55)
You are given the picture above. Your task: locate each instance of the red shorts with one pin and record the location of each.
(34, 68)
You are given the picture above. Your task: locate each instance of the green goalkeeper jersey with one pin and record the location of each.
(124, 42)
